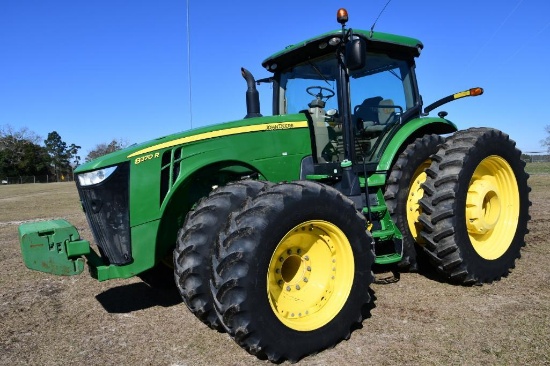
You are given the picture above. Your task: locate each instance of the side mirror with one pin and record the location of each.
(356, 51)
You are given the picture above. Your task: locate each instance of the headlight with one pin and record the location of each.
(95, 177)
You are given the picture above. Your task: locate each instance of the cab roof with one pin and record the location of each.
(319, 46)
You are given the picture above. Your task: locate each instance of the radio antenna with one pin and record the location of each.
(189, 66)
(378, 17)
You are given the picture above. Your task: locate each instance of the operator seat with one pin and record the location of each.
(386, 112)
(377, 119)
(366, 113)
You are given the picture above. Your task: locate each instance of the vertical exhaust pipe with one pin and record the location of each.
(252, 95)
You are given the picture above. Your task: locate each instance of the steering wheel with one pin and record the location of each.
(320, 95)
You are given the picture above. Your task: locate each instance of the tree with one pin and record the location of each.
(546, 142)
(60, 154)
(74, 158)
(34, 161)
(105, 148)
(20, 154)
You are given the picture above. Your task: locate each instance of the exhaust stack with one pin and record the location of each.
(252, 95)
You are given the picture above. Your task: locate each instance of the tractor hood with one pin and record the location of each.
(141, 151)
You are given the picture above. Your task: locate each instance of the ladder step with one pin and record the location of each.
(387, 258)
(382, 233)
(375, 209)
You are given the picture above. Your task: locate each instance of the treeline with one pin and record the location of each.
(534, 158)
(23, 153)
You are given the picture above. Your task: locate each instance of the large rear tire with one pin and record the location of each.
(292, 271)
(404, 190)
(475, 206)
(195, 245)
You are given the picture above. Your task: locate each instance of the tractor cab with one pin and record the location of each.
(356, 88)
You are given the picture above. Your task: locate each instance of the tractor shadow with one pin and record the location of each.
(389, 273)
(137, 296)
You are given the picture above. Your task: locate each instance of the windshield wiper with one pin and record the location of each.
(319, 72)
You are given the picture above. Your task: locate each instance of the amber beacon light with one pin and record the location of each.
(342, 16)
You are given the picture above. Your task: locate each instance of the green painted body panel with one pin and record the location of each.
(409, 129)
(143, 250)
(121, 155)
(274, 153)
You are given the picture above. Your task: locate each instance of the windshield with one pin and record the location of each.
(296, 81)
(380, 93)
(382, 77)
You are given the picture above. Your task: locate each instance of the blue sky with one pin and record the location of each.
(103, 69)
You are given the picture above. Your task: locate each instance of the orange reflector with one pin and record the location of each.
(342, 16)
(476, 91)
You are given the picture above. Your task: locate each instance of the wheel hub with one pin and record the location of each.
(294, 271)
(310, 275)
(492, 207)
(482, 206)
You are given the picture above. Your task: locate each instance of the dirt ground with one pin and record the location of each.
(50, 320)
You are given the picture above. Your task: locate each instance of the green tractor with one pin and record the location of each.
(271, 225)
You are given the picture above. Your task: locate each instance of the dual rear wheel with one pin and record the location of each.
(467, 210)
(284, 269)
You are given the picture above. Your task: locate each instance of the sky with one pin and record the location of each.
(136, 70)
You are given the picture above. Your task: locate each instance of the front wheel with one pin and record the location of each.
(475, 206)
(292, 271)
(195, 245)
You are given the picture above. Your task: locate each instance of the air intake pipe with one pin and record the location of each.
(252, 95)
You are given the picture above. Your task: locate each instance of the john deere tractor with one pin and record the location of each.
(271, 225)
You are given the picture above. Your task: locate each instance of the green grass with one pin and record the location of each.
(538, 168)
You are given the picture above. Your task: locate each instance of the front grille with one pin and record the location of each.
(107, 209)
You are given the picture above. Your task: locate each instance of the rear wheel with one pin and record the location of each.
(196, 241)
(292, 271)
(404, 190)
(475, 206)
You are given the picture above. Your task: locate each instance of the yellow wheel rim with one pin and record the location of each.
(492, 207)
(415, 194)
(310, 275)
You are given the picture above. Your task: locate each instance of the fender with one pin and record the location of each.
(410, 130)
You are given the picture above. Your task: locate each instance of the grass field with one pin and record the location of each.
(538, 168)
(49, 320)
